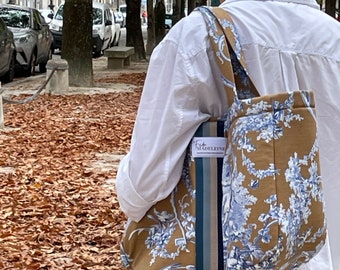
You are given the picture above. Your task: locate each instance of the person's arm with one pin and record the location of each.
(179, 94)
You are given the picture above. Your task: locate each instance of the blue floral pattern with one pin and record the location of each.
(165, 223)
(263, 229)
(238, 200)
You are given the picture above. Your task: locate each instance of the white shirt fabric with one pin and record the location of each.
(288, 45)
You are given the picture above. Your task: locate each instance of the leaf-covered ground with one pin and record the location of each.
(59, 154)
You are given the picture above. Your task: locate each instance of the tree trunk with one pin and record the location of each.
(159, 21)
(330, 7)
(191, 5)
(182, 8)
(76, 44)
(134, 35)
(150, 44)
(176, 11)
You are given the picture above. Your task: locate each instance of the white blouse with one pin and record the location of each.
(288, 45)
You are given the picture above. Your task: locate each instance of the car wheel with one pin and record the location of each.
(9, 76)
(42, 66)
(97, 53)
(30, 71)
(98, 50)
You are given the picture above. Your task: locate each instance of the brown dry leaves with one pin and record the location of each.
(55, 210)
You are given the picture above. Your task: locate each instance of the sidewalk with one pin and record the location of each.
(31, 84)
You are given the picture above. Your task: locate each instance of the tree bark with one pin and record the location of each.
(150, 44)
(182, 8)
(76, 44)
(191, 5)
(330, 7)
(134, 35)
(176, 11)
(159, 21)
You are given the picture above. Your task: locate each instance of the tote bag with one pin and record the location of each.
(272, 202)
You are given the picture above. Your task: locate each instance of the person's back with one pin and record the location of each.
(287, 46)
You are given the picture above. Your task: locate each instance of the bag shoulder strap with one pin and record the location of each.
(228, 54)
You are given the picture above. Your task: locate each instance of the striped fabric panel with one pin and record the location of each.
(209, 253)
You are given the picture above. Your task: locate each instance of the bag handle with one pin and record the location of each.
(228, 54)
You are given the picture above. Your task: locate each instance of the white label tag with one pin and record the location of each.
(208, 146)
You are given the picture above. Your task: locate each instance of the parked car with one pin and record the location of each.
(116, 31)
(33, 39)
(119, 18)
(101, 30)
(47, 14)
(122, 9)
(7, 53)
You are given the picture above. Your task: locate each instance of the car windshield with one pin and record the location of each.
(59, 14)
(15, 17)
(97, 16)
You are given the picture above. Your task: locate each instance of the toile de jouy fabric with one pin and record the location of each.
(165, 238)
(273, 205)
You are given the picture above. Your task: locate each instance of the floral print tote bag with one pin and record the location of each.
(272, 202)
